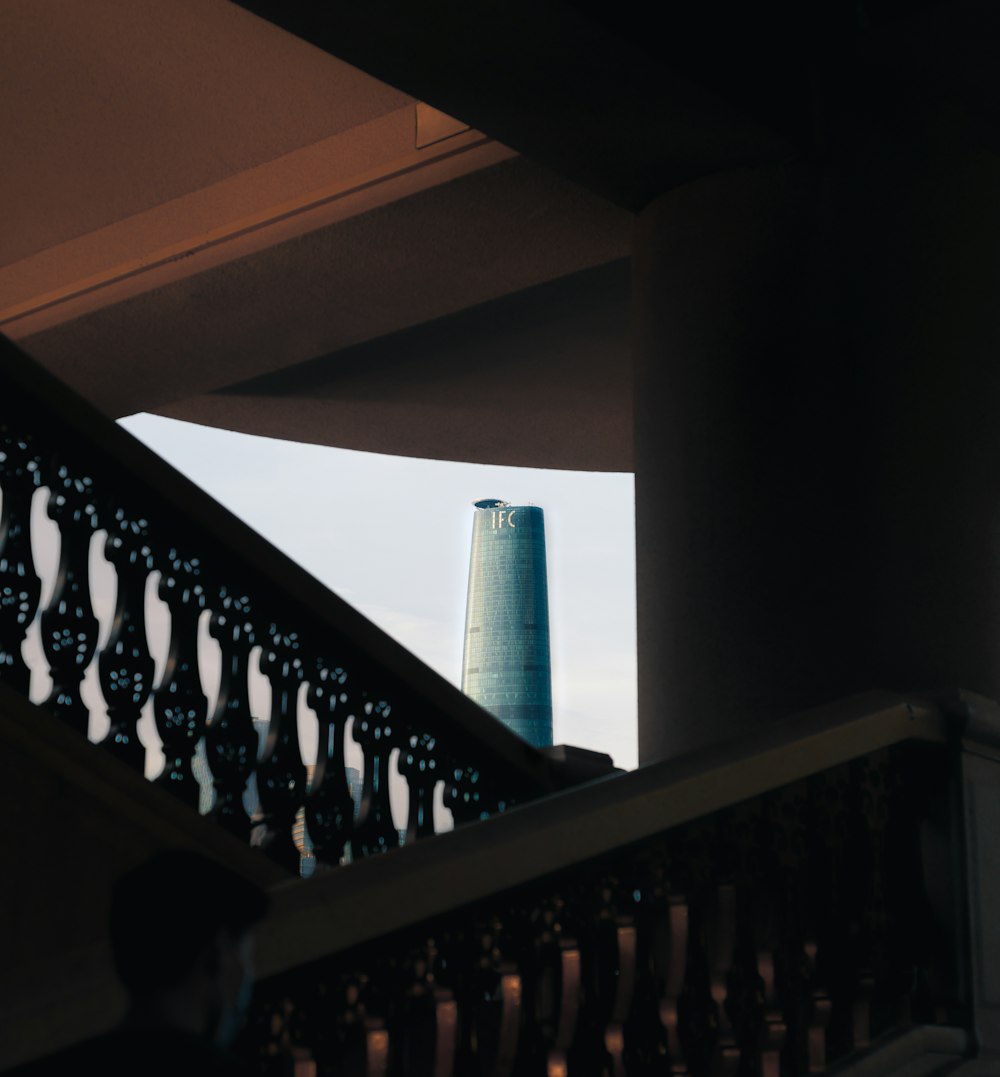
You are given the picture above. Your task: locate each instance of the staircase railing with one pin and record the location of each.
(783, 906)
(766, 908)
(208, 565)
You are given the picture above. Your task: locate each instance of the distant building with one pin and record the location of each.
(355, 787)
(506, 665)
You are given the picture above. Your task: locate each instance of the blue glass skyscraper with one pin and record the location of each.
(506, 664)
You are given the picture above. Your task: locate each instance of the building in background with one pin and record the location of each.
(355, 786)
(506, 665)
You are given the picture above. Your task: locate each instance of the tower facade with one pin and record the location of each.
(506, 665)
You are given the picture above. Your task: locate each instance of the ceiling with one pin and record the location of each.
(223, 218)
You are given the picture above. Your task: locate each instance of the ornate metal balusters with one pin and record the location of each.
(773, 1027)
(231, 739)
(375, 831)
(511, 998)
(462, 795)
(273, 1036)
(869, 810)
(621, 987)
(705, 1024)
(820, 1011)
(330, 806)
(569, 1006)
(490, 990)
(672, 954)
(645, 1035)
(423, 1023)
(557, 988)
(445, 1032)
(833, 926)
(375, 1005)
(742, 978)
(69, 627)
(663, 939)
(606, 941)
(376, 1048)
(335, 1027)
(125, 665)
(470, 796)
(764, 878)
(774, 1031)
(20, 587)
(418, 765)
(781, 963)
(281, 776)
(179, 703)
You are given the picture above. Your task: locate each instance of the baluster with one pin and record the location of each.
(329, 806)
(462, 795)
(491, 992)
(231, 739)
(445, 1032)
(721, 947)
(623, 988)
(774, 1029)
(678, 923)
(786, 924)
(511, 1000)
(179, 703)
(125, 665)
(333, 1025)
(418, 765)
(607, 946)
(645, 1036)
(374, 831)
(69, 627)
(469, 796)
(869, 809)
(281, 777)
(557, 988)
(569, 1006)
(20, 587)
(424, 1025)
(376, 1048)
(282, 1056)
(834, 910)
(820, 1013)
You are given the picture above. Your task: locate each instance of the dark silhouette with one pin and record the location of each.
(182, 937)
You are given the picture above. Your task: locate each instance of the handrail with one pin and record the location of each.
(100, 477)
(585, 822)
(765, 906)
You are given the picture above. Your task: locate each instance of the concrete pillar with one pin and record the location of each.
(818, 435)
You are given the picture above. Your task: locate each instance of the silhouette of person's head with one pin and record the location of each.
(182, 939)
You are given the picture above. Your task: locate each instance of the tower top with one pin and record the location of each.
(490, 503)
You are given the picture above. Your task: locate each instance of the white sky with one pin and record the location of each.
(391, 535)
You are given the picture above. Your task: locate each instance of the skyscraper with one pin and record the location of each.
(506, 665)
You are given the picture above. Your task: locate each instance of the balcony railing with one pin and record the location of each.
(770, 908)
(780, 907)
(207, 565)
